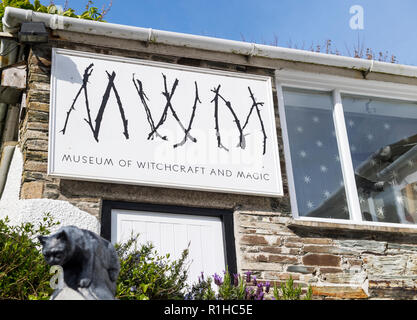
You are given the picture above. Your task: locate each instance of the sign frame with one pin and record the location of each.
(51, 171)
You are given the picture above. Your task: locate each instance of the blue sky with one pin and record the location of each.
(389, 25)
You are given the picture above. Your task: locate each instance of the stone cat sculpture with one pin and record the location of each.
(90, 263)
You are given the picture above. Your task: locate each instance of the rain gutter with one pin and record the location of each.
(13, 17)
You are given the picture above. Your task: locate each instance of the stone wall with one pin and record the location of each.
(338, 261)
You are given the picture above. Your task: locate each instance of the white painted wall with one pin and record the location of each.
(20, 211)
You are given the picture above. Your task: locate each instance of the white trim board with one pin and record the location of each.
(326, 82)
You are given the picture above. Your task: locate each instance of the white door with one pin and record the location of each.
(171, 233)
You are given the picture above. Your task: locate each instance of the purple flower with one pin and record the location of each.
(246, 293)
(188, 296)
(217, 279)
(259, 296)
(259, 291)
(201, 278)
(249, 294)
(267, 286)
(254, 281)
(133, 289)
(236, 279)
(248, 276)
(260, 288)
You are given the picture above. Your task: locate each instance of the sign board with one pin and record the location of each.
(131, 121)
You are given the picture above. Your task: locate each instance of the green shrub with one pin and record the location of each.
(229, 287)
(24, 273)
(243, 288)
(289, 292)
(202, 290)
(146, 275)
(91, 12)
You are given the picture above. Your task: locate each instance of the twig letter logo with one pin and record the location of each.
(220, 102)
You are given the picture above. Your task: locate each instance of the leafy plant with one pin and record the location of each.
(146, 275)
(244, 287)
(24, 273)
(229, 290)
(202, 290)
(289, 292)
(91, 12)
(229, 287)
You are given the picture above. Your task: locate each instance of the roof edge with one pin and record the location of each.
(13, 17)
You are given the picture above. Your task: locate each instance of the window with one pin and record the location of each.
(350, 148)
(171, 229)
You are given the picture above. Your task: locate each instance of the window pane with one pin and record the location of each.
(382, 137)
(315, 160)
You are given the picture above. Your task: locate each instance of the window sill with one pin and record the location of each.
(350, 230)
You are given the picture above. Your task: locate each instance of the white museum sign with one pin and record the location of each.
(139, 122)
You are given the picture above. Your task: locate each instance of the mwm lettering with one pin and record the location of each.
(219, 100)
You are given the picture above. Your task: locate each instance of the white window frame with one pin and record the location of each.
(336, 86)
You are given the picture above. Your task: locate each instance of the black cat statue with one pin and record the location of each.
(89, 263)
